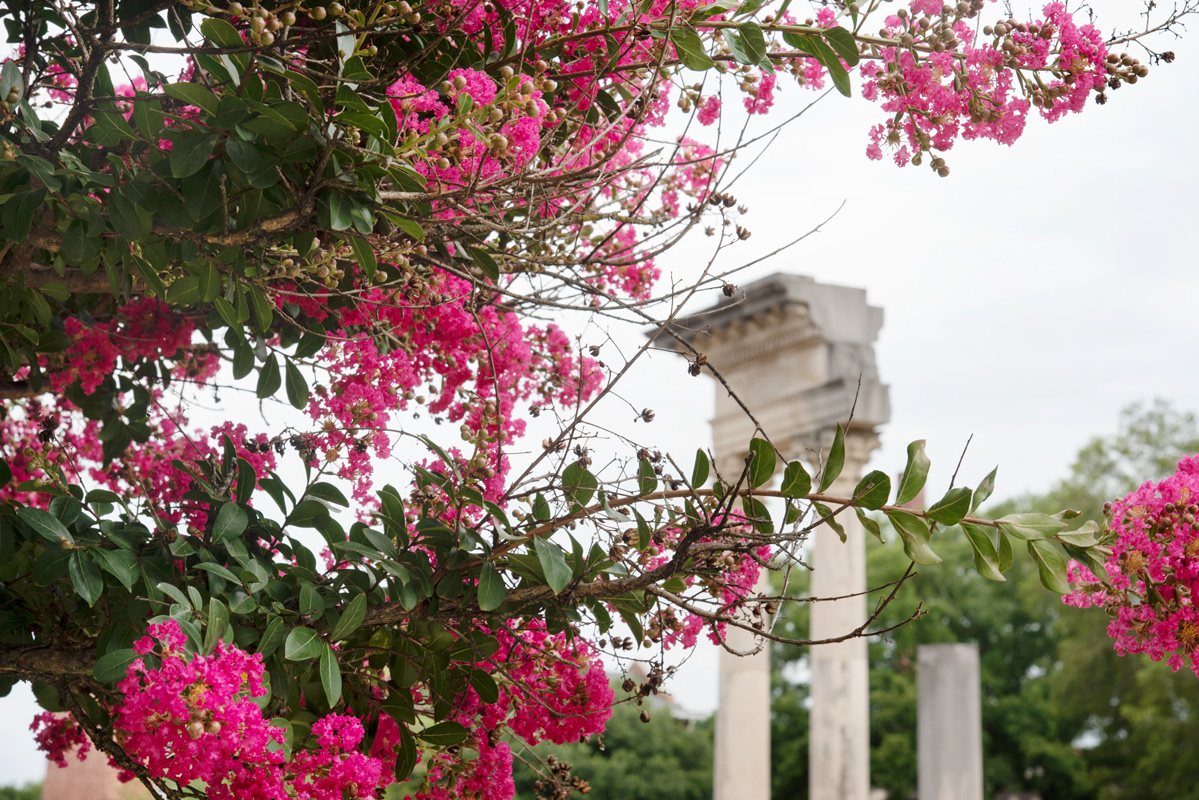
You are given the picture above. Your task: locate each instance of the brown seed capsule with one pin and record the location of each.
(645, 715)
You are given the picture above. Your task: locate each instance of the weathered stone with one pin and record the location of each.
(949, 722)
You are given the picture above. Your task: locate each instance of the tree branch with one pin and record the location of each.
(46, 662)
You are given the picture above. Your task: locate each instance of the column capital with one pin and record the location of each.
(860, 444)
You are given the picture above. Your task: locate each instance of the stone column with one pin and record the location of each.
(798, 354)
(742, 768)
(949, 722)
(90, 779)
(839, 749)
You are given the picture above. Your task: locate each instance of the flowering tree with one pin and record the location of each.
(363, 208)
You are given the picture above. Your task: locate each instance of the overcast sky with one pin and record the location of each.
(1028, 297)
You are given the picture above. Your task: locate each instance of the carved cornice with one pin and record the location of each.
(751, 339)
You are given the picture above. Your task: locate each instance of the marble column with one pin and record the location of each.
(949, 722)
(742, 768)
(799, 355)
(839, 739)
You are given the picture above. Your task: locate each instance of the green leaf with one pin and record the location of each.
(408, 226)
(873, 490)
(820, 49)
(844, 44)
(243, 360)
(1031, 525)
(986, 559)
(690, 48)
(272, 637)
(553, 563)
(827, 517)
(17, 212)
(796, 481)
(491, 588)
(406, 758)
(579, 484)
(485, 686)
(984, 490)
(221, 33)
(753, 41)
(330, 675)
(46, 525)
(644, 534)
(445, 734)
(647, 479)
(226, 310)
(1086, 536)
(835, 461)
(952, 508)
(125, 219)
(340, 208)
(484, 262)
(175, 593)
(297, 387)
(914, 474)
(185, 291)
(263, 308)
(541, 508)
(268, 377)
(699, 473)
(189, 153)
(194, 95)
(1005, 552)
(870, 524)
(85, 576)
(217, 569)
(351, 619)
(1051, 566)
(114, 665)
(364, 254)
(121, 564)
(230, 521)
(308, 514)
(329, 493)
(762, 459)
(218, 623)
(915, 534)
(302, 644)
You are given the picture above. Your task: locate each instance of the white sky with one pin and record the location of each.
(1028, 297)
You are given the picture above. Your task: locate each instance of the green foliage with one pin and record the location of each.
(30, 791)
(663, 759)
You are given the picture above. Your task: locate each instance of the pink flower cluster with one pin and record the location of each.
(471, 357)
(468, 158)
(142, 329)
(56, 735)
(968, 90)
(1153, 571)
(725, 593)
(194, 718)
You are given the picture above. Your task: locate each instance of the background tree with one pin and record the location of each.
(30, 791)
(661, 758)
